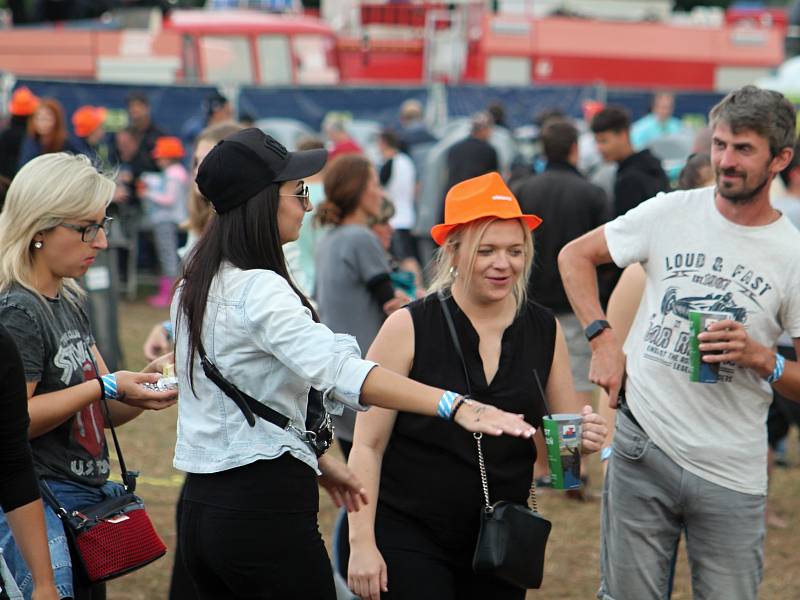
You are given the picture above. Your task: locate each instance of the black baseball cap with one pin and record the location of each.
(246, 162)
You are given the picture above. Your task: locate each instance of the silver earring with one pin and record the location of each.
(38, 245)
(453, 272)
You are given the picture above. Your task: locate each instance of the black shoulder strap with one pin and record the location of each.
(50, 498)
(246, 403)
(128, 477)
(454, 336)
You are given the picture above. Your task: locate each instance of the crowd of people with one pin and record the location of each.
(303, 294)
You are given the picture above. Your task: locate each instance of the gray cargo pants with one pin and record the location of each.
(647, 500)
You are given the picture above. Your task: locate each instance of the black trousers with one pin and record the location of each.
(420, 569)
(180, 583)
(258, 537)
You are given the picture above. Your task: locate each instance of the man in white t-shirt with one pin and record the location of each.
(693, 455)
(399, 179)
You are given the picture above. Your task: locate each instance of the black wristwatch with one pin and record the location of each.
(595, 328)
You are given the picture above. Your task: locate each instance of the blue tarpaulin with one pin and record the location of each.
(173, 106)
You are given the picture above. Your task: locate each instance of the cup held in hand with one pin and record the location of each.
(562, 435)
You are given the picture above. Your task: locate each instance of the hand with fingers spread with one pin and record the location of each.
(342, 484)
(728, 341)
(476, 417)
(608, 365)
(131, 391)
(594, 431)
(366, 571)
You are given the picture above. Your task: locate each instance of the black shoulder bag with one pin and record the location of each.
(318, 433)
(512, 537)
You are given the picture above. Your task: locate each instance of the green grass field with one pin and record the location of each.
(573, 550)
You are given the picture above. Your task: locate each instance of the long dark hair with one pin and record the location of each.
(247, 237)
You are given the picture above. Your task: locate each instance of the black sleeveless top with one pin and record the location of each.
(430, 466)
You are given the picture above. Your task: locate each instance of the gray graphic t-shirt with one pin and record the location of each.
(695, 259)
(54, 341)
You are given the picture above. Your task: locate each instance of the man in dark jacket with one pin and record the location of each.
(23, 104)
(474, 155)
(639, 174)
(146, 132)
(569, 206)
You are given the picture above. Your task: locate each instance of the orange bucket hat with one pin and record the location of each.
(477, 198)
(23, 102)
(168, 147)
(87, 119)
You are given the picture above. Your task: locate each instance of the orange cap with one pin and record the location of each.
(477, 198)
(87, 119)
(23, 102)
(168, 147)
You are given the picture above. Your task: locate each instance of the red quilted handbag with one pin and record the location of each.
(109, 539)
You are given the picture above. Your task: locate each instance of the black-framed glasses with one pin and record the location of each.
(304, 197)
(89, 232)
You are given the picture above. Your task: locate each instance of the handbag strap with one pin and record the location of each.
(481, 464)
(128, 477)
(246, 403)
(51, 499)
(454, 336)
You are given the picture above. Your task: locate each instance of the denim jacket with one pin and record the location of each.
(264, 341)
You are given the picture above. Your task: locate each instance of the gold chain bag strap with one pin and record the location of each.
(512, 536)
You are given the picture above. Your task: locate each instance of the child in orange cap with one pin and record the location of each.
(165, 208)
(420, 539)
(23, 104)
(91, 137)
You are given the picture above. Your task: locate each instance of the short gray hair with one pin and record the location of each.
(480, 121)
(765, 112)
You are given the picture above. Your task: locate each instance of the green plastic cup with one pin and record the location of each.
(562, 434)
(702, 372)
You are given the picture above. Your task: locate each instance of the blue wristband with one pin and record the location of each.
(167, 325)
(606, 452)
(109, 386)
(445, 406)
(777, 372)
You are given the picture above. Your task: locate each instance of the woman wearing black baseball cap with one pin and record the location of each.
(251, 354)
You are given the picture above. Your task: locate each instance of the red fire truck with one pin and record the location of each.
(409, 44)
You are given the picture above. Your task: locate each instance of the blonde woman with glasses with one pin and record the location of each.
(51, 229)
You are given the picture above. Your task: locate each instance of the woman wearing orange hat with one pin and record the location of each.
(165, 208)
(417, 540)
